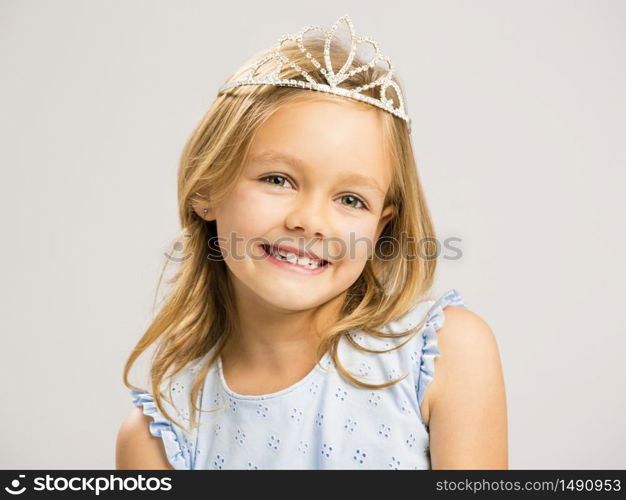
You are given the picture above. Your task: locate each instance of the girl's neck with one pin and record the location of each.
(270, 342)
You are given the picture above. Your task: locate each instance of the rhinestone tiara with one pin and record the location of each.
(332, 79)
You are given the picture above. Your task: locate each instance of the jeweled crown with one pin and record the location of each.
(333, 79)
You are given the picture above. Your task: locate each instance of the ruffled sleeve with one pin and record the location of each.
(435, 320)
(172, 435)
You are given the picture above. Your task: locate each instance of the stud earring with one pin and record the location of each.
(204, 212)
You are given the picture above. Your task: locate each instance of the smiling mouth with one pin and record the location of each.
(269, 251)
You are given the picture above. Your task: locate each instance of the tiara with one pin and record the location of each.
(332, 79)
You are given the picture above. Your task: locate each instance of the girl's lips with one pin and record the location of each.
(292, 267)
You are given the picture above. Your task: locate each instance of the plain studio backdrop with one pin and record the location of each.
(519, 127)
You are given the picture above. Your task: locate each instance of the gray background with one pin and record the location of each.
(518, 125)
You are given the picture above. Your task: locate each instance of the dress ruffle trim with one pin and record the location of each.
(162, 428)
(430, 350)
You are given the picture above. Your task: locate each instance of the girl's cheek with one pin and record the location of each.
(251, 206)
(258, 199)
(356, 239)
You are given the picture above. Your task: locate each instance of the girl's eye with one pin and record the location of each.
(274, 177)
(356, 199)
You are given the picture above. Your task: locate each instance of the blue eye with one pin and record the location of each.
(275, 176)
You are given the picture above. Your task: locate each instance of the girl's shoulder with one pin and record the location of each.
(177, 440)
(463, 340)
(414, 353)
(445, 315)
(432, 310)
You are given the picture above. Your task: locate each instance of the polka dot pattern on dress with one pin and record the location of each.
(322, 421)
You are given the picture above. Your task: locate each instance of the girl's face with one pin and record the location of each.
(315, 180)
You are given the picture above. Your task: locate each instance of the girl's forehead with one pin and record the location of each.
(334, 113)
(324, 133)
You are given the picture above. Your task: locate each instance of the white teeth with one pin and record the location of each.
(304, 261)
(295, 259)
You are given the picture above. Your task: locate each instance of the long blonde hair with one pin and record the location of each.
(200, 311)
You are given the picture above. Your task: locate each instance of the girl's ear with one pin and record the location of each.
(203, 210)
(388, 213)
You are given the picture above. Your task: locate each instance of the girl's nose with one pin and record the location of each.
(308, 218)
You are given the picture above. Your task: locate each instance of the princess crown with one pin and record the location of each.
(333, 79)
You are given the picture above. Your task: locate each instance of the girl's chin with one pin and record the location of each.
(291, 305)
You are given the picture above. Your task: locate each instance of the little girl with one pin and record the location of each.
(301, 332)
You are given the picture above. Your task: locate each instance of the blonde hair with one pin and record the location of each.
(200, 312)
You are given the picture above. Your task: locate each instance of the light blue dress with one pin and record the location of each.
(320, 422)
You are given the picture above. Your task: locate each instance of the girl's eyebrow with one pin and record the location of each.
(353, 177)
